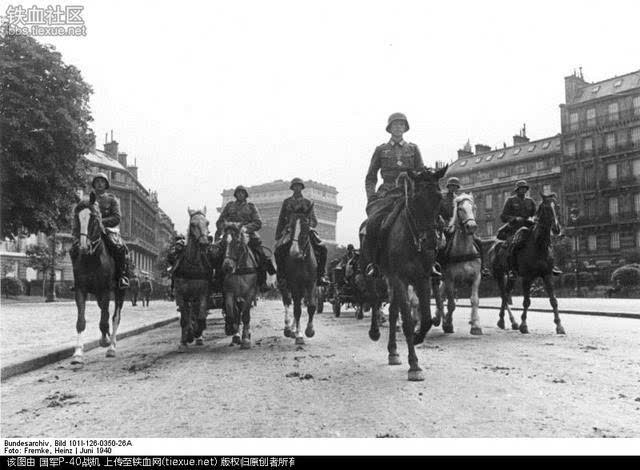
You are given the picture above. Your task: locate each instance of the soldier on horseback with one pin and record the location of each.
(517, 215)
(446, 214)
(298, 204)
(393, 159)
(110, 212)
(174, 256)
(246, 213)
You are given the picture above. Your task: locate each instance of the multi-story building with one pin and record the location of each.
(601, 166)
(490, 175)
(268, 199)
(145, 228)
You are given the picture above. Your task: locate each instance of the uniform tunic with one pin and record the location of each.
(244, 212)
(391, 159)
(295, 205)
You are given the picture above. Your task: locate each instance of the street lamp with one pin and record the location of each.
(574, 215)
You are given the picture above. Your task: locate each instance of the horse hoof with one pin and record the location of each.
(476, 330)
(111, 353)
(299, 340)
(309, 332)
(447, 328)
(501, 324)
(105, 342)
(416, 376)
(374, 335)
(199, 341)
(560, 330)
(77, 360)
(246, 344)
(394, 360)
(524, 329)
(288, 333)
(436, 322)
(236, 340)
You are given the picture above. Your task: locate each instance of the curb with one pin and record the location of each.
(635, 316)
(64, 353)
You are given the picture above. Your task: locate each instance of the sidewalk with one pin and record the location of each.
(30, 330)
(628, 308)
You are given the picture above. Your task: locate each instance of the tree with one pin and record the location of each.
(44, 133)
(39, 258)
(562, 249)
(627, 276)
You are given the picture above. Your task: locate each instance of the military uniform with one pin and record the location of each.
(298, 205)
(246, 213)
(391, 159)
(110, 214)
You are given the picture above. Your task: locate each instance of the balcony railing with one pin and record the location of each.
(603, 120)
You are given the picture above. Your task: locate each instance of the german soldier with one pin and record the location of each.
(110, 212)
(247, 214)
(297, 204)
(393, 159)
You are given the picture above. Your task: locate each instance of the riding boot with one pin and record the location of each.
(262, 267)
(321, 255)
(280, 268)
(122, 266)
(484, 272)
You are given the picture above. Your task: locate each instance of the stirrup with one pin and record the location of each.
(322, 281)
(371, 270)
(556, 271)
(123, 282)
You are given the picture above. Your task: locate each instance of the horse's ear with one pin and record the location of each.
(204, 211)
(92, 198)
(441, 172)
(189, 211)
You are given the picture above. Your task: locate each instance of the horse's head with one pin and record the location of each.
(464, 215)
(299, 229)
(235, 238)
(548, 212)
(88, 225)
(198, 226)
(424, 195)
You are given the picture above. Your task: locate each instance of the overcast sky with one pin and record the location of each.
(208, 95)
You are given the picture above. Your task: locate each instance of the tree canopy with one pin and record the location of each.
(44, 133)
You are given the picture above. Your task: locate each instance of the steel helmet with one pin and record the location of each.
(103, 176)
(521, 184)
(296, 181)
(397, 117)
(240, 188)
(453, 181)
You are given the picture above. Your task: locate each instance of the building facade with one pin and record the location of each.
(490, 175)
(601, 166)
(268, 199)
(145, 228)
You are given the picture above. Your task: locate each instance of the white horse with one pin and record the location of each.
(462, 263)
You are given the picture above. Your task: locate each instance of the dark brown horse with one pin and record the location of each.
(191, 279)
(94, 272)
(301, 274)
(407, 259)
(533, 261)
(240, 286)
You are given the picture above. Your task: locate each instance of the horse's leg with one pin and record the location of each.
(312, 301)
(439, 292)
(183, 308)
(286, 302)
(374, 330)
(450, 290)
(103, 304)
(423, 291)
(548, 285)
(526, 291)
(238, 308)
(297, 313)
(201, 321)
(392, 347)
(115, 320)
(81, 324)
(475, 303)
(500, 279)
(246, 325)
(400, 292)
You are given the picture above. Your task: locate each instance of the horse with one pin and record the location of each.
(407, 259)
(462, 263)
(94, 272)
(191, 280)
(240, 285)
(301, 275)
(533, 261)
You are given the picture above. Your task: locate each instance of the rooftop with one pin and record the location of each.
(101, 157)
(506, 156)
(608, 87)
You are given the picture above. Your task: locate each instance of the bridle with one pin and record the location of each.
(462, 222)
(420, 237)
(243, 252)
(96, 243)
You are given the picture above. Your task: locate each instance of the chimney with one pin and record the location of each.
(572, 85)
(134, 168)
(122, 158)
(111, 148)
(466, 150)
(481, 148)
(521, 138)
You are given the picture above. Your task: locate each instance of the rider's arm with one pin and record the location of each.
(223, 216)
(418, 156)
(113, 219)
(507, 212)
(372, 175)
(255, 224)
(282, 220)
(313, 222)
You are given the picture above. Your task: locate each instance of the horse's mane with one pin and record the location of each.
(457, 200)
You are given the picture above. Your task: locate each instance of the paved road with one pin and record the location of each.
(502, 384)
